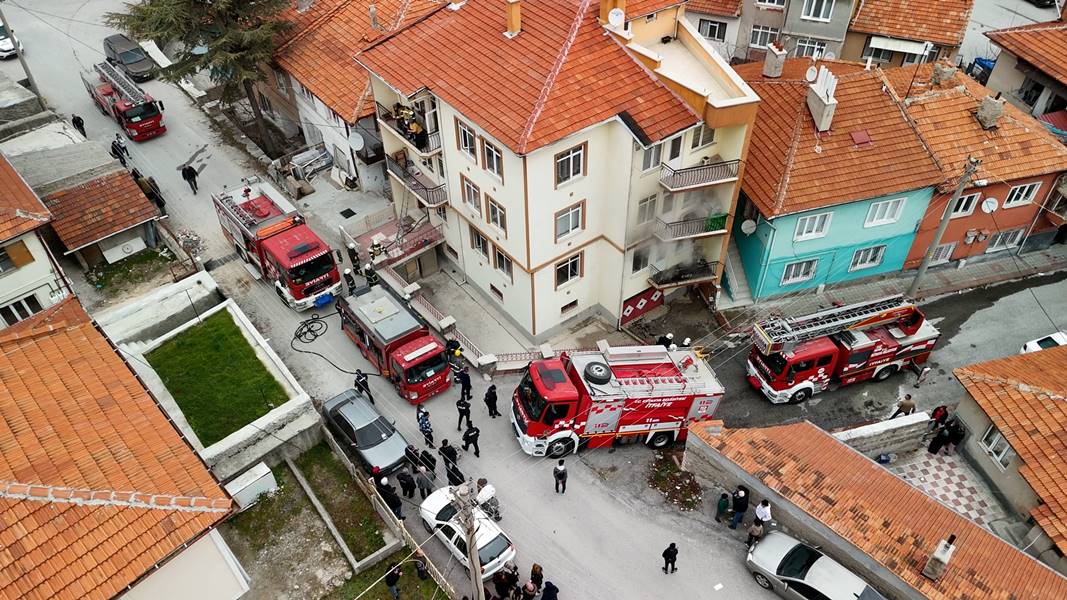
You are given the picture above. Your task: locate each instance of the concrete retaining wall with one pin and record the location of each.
(892, 436)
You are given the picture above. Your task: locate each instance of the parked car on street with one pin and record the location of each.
(128, 55)
(797, 571)
(370, 439)
(7, 43)
(1052, 340)
(440, 516)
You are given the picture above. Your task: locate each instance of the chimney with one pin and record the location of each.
(942, 74)
(607, 5)
(989, 111)
(372, 11)
(514, 18)
(938, 561)
(821, 101)
(774, 60)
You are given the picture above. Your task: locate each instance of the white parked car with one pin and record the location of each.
(796, 571)
(440, 516)
(1052, 340)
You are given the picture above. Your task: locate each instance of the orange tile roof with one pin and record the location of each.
(1043, 45)
(562, 73)
(75, 424)
(1019, 147)
(299, 20)
(726, 8)
(640, 8)
(942, 22)
(321, 57)
(1025, 396)
(20, 208)
(96, 209)
(881, 515)
(792, 168)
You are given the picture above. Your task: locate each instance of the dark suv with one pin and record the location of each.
(128, 55)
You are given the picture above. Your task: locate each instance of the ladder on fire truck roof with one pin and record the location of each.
(120, 83)
(775, 332)
(640, 387)
(238, 211)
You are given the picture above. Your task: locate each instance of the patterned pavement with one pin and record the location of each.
(950, 480)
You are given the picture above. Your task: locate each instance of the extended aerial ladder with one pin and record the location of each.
(776, 334)
(122, 84)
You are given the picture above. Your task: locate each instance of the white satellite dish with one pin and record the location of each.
(830, 55)
(811, 74)
(990, 205)
(616, 17)
(748, 227)
(355, 139)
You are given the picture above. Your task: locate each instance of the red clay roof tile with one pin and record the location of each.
(96, 209)
(1043, 45)
(725, 8)
(20, 208)
(640, 8)
(942, 22)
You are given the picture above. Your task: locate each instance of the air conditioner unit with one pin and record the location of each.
(971, 234)
(705, 161)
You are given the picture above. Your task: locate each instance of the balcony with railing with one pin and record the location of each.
(410, 127)
(398, 241)
(668, 231)
(712, 172)
(430, 195)
(700, 271)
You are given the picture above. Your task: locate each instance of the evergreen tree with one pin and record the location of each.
(229, 39)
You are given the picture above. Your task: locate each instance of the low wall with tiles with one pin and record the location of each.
(892, 436)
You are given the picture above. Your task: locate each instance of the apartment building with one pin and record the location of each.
(903, 32)
(802, 27)
(577, 161)
(718, 21)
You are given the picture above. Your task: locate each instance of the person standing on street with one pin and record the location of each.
(428, 460)
(463, 407)
(78, 124)
(670, 557)
(559, 473)
(755, 532)
(120, 144)
(116, 151)
(665, 340)
(464, 378)
(529, 591)
(411, 453)
(470, 438)
(537, 575)
(407, 483)
(490, 402)
(722, 508)
(455, 476)
(392, 579)
(189, 174)
(424, 481)
(392, 500)
(763, 511)
(448, 453)
(422, 416)
(906, 407)
(740, 501)
(551, 592)
(362, 385)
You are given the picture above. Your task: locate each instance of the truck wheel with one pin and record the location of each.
(560, 448)
(800, 396)
(597, 373)
(885, 373)
(661, 440)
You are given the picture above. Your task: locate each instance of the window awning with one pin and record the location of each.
(905, 46)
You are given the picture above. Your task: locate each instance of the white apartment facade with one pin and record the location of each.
(602, 220)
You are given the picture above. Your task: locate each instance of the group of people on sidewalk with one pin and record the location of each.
(506, 585)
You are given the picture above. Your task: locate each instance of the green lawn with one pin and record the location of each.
(411, 587)
(215, 378)
(347, 506)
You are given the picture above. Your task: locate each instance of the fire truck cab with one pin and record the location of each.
(642, 393)
(138, 114)
(791, 360)
(396, 343)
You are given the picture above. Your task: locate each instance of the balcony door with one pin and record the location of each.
(673, 158)
(427, 107)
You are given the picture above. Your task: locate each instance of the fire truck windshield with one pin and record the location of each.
(775, 362)
(140, 112)
(533, 403)
(312, 269)
(426, 369)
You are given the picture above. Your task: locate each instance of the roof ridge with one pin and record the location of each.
(315, 24)
(1022, 386)
(550, 80)
(1045, 26)
(790, 157)
(902, 107)
(37, 492)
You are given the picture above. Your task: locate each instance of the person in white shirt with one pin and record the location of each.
(763, 511)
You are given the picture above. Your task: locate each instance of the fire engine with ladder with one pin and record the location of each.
(117, 96)
(621, 394)
(793, 359)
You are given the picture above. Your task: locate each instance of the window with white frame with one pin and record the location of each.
(702, 137)
(501, 261)
(770, 3)
(466, 140)
(799, 271)
(712, 30)
(640, 259)
(646, 209)
(817, 10)
(997, 446)
(20, 309)
(811, 227)
(472, 196)
(479, 242)
(1002, 240)
(1021, 194)
(810, 47)
(943, 253)
(305, 93)
(761, 36)
(494, 159)
(884, 213)
(668, 203)
(497, 214)
(570, 164)
(876, 54)
(570, 220)
(867, 258)
(6, 264)
(964, 205)
(569, 269)
(281, 81)
(652, 157)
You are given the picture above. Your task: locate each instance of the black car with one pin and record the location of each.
(128, 55)
(1042, 3)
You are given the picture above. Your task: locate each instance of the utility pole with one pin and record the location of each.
(466, 502)
(968, 172)
(22, 59)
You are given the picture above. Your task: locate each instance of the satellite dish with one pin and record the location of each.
(355, 139)
(989, 205)
(748, 227)
(811, 74)
(616, 17)
(829, 55)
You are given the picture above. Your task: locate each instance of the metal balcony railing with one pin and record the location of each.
(423, 142)
(684, 274)
(430, 195)
(690, 228)
(700, 175)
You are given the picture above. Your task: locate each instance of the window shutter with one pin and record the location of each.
(19, 254)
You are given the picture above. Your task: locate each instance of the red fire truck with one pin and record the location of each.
(396, 343)
(792, 359)
(277, 245)
(596, 397)
(117, 96)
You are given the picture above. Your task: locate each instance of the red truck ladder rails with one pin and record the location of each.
(120, 83)
(777, 333)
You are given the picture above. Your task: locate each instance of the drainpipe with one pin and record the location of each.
(625, 240)
(766, 257)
